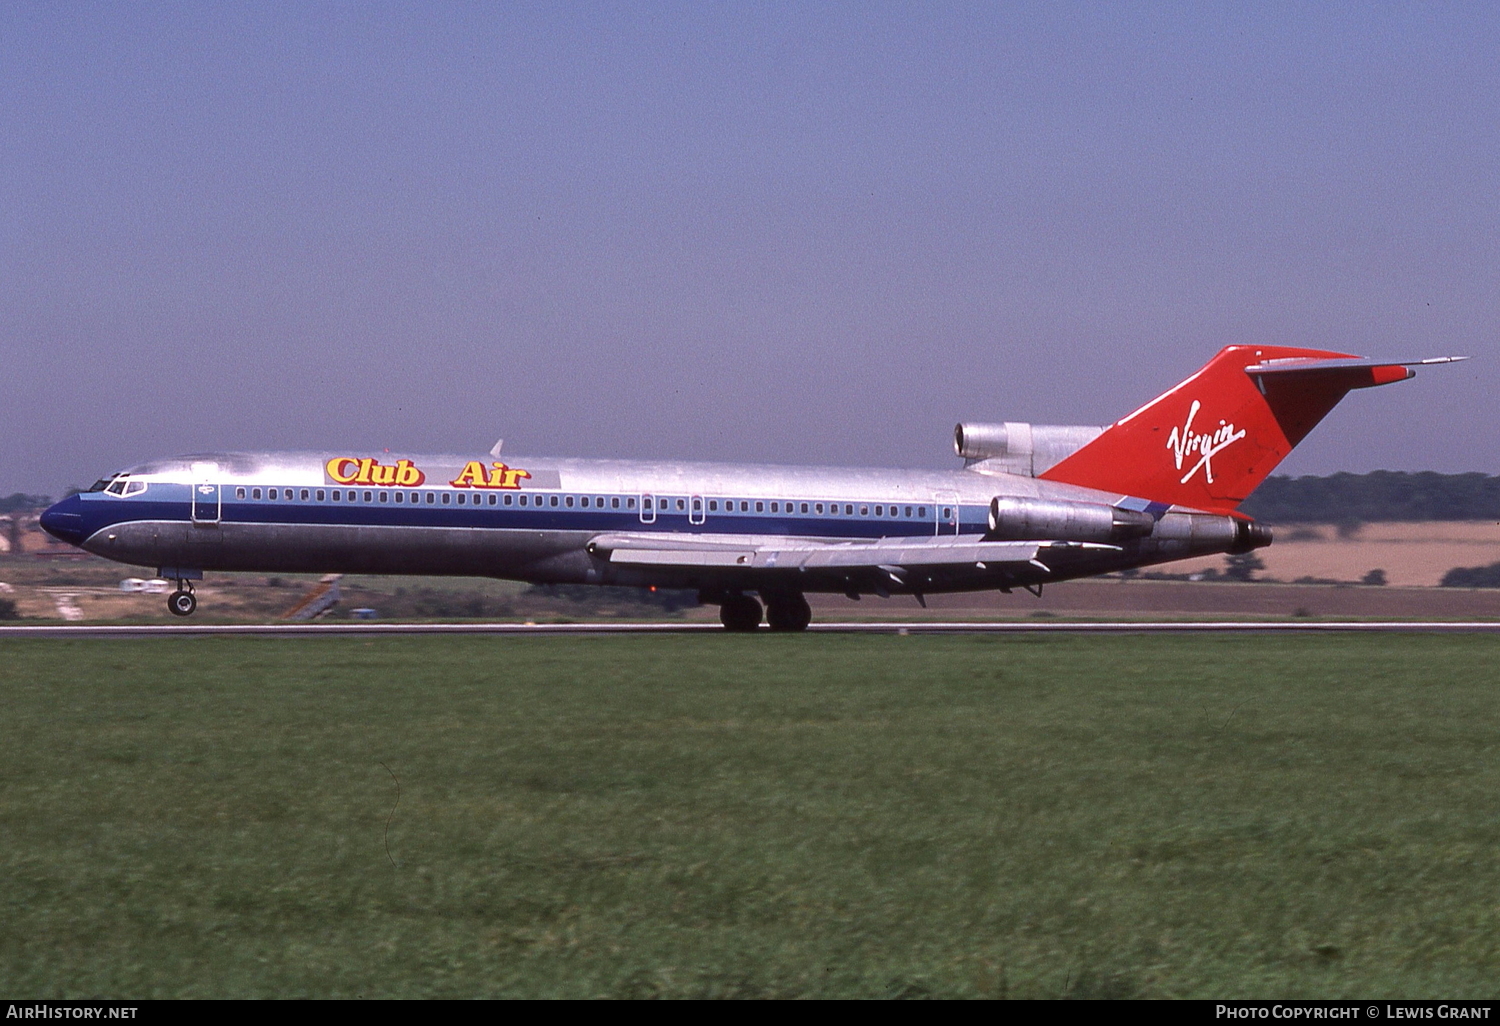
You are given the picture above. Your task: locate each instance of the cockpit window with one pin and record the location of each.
(135, 488)
(101, 484)
(117, 487)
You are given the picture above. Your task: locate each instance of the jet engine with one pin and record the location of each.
(1022, 519)
(1015, 448)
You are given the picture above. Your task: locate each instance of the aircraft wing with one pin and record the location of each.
(758, 552)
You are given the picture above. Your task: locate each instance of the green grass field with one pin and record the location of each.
(764, 816)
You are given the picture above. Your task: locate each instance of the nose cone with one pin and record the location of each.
(64, 521)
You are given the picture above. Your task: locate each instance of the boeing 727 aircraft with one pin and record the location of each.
(1031, 505)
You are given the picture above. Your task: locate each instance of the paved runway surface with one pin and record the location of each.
(916, 627)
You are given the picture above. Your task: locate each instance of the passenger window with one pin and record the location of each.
(697, 505)
(614, 503)
(369, 497)
(775, 507)
(681, 505)
(922, 512)
(462, 498)
(760, 507)
(584, 502)
(713, 505)
(864, 511)
(880, 511)
(848, 510)
(239, 493)
(304, 495)
(492, 498)
(336, 496)
(818, 507)
(508, 498)
(908, 511)
(385, 496)
(255, 493)
(431, 498)
(568, 501)
(804, 507)
(447, 498)
(271, 494)
(630, 503)
(523, 500)
(400, 496)
(320, 495)
(554, 500)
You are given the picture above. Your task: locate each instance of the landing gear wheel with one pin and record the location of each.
(182, 603)
(739, 613)
(788, 613)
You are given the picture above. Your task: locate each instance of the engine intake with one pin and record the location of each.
(1017, 448)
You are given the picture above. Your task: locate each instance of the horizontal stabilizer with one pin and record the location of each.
(1380, 372)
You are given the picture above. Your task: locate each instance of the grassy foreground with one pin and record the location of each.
(765, 816)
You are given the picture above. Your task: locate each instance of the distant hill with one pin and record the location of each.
(1380, 495)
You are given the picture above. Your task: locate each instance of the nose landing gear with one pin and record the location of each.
(182, 602)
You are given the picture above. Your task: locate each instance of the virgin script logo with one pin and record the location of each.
(1184, 442)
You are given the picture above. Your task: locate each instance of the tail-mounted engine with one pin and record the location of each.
(1021, 519)
(1014, 448)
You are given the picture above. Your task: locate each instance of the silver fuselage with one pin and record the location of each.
(534, 519)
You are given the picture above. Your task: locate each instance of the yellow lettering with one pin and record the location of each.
(383, 475)
(336, 469)
(366, 468)
(408, 476)
(513, 478)
(497, 476)
(472, 476)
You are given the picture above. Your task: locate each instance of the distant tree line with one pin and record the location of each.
(1379, 495)
(22, 501)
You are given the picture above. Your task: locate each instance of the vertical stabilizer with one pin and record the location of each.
(1213, 438)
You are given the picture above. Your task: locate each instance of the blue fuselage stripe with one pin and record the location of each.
(172, 503)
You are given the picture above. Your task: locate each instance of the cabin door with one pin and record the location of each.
(206, 504)
(945, 512)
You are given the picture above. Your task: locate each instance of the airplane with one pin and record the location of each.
(1032, 504)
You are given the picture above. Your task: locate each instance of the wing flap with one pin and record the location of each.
(766, 553)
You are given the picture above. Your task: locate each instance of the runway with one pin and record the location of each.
(905, 628)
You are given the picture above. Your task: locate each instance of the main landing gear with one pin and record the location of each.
(788, 612)
(182, 602)
(739, 613)
(783, 613)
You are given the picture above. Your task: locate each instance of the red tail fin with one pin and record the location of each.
(1208, 442)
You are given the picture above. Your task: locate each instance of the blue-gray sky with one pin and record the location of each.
(808, 233)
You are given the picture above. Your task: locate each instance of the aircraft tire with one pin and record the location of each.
(182, 603)
(740, 613)
(788, 613)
